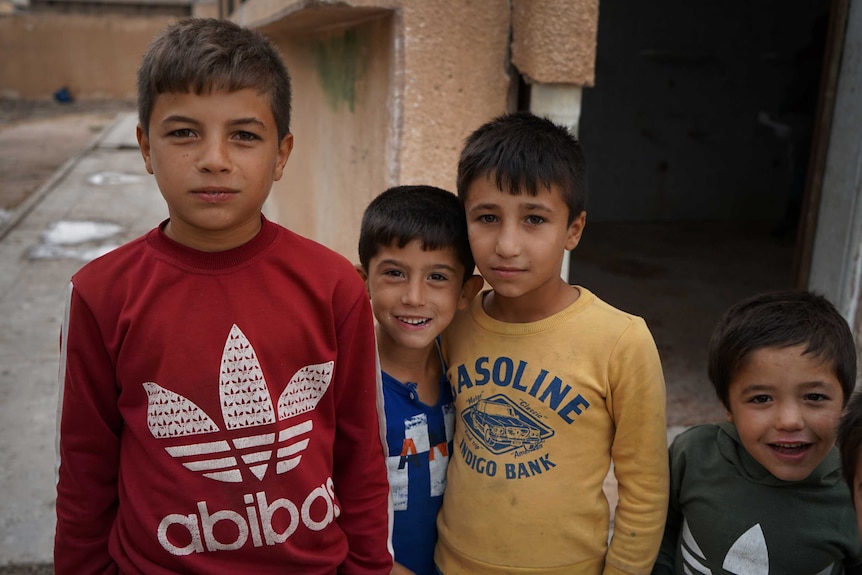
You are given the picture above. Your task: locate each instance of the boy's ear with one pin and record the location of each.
(576, 229)
(284, 149)
(728, 415)
(469, 290)
(361, 271)
(144, 145)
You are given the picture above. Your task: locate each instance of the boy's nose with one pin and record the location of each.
(789, 416)
(214, 156)
(414, 294)
(508, 242)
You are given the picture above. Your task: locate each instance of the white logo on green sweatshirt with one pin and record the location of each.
(749, 554)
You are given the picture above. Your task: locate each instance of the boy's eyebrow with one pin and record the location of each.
(539, 207)
(443, 267)
(246, 122)
(816, 384)
(528, 206)
(177, 118)
(485, 206)
(755, 387)
(399, 263)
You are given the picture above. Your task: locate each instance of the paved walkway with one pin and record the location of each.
(99, 199)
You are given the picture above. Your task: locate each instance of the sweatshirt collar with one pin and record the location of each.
(213, 261)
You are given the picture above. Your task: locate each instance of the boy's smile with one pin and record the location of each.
(415, 294)
(518, 242)
(215, 156)
(785, 406)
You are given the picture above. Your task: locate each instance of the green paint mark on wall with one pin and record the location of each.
(339, 67)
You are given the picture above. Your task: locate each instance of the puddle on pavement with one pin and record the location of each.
(76, 239)
(113, 178)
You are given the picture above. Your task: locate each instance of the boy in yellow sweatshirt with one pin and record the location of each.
(551, 384)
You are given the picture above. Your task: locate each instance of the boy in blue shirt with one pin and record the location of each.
(418, 269)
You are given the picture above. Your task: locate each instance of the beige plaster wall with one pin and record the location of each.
(455, 77)
(206, 9)
(341, 123)
(554, 41)
(96, 57)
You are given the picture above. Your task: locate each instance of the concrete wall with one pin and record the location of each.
(342, 82)
(836, 269)
(93, 56)
(554, 41)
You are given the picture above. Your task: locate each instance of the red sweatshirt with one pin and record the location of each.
(219, 413)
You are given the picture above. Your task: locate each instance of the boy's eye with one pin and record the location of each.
(394, 273)
(438, 277)
(182, 133)
(246, 136)
(760, 399)
(816, 397)
(487, 219)
(535, 220)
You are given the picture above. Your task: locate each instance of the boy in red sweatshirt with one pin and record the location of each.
(220, 387)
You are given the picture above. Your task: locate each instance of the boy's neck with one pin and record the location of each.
(409, 365)
(213, 240)
(528, 308)
(405, 364)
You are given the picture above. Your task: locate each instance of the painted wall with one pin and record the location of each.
(95, 57)
(340, 121)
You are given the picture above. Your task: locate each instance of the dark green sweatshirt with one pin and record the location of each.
(728, 514)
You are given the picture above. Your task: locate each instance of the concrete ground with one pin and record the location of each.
(679, 277)
(104, 184)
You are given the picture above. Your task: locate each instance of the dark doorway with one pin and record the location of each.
(697, 136)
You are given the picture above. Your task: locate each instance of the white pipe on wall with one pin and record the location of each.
(560, 103)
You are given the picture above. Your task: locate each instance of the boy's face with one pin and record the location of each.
(414, 293)
(518, 241)
(785, 406)
(215, 156)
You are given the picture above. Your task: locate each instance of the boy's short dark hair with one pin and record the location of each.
(406, 213)
(782, 318)
(850, 439)
(524, 152)
(204, 54)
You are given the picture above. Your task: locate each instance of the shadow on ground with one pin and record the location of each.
(28, 570)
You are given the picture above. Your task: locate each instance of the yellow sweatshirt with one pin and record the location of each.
(543, 408)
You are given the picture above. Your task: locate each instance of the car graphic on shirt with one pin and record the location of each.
(502, 426)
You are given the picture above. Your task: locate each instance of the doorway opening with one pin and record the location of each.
(697, 136)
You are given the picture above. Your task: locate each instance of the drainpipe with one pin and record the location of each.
(560, 103)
